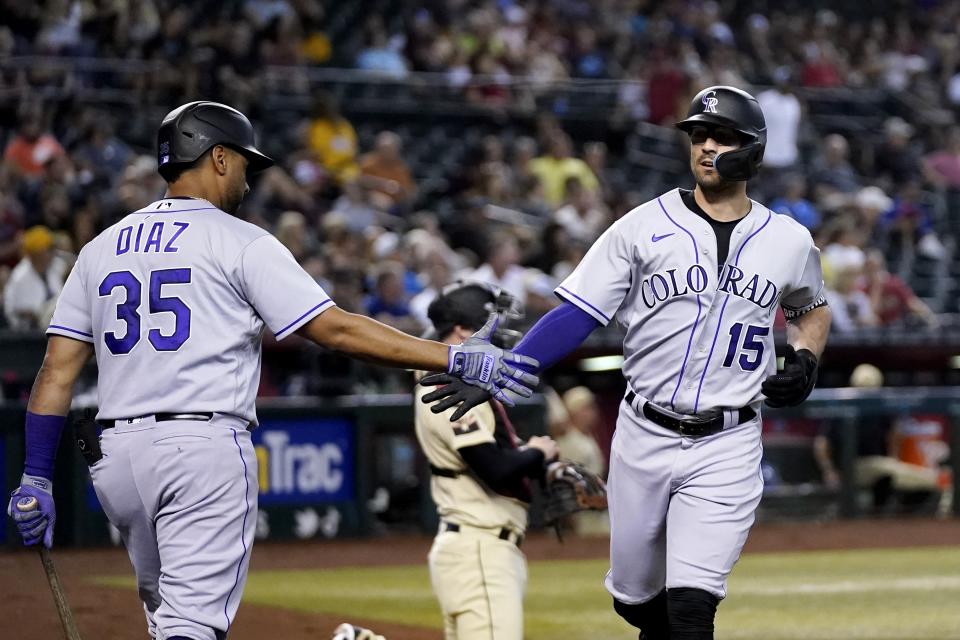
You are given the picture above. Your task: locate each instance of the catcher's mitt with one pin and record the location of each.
(571, 488)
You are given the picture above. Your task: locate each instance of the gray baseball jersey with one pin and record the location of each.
(699, 339)
(687, 316)
(174, 299)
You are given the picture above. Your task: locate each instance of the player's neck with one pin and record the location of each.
(188, 187)
(724, 205)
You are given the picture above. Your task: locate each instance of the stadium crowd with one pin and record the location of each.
(527, 206)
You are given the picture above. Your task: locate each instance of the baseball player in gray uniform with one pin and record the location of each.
(696, 278)
(173, 301)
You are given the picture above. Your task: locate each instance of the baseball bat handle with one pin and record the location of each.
(27, 503)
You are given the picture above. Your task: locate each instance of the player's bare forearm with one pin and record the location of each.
(810, 330)
(366, 339)
(62, 364)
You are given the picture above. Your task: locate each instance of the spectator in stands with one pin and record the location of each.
(347, 290)
(103, 154)
(11, 224)
(381, 55)
(851, 307)
(582, 216)
(386, 173)
(821, 68)
(842, 247)
(595, 155)
(571, 420)
(832, 172)
(580, 443)
(436, 273)
(910, 222)
(870, 204)
(293, 233)
(942, 167)
(554, 246)
(891, 299)
(896, 161)
(665, 88)
(901, 61)
(354, 208)
(388, 303)
(31, 148)
(876, 467)
(35, 282)
(524, 151)
(782, 111)
(794, 203)
(502, 266)
(554, 169)
(587, 58)
(332, 139)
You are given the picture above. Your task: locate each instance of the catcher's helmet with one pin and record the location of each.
(469, 303)
(734, 108)
(190, 130)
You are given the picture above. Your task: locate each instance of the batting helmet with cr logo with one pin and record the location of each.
(723, 106)
(192, 129)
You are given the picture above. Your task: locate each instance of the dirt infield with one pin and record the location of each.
(113, 614)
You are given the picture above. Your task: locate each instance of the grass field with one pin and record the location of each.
(896, 594)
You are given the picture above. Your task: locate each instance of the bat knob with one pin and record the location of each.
(27, 503)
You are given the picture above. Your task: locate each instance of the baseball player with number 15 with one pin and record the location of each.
(174, 299)
(696, 278)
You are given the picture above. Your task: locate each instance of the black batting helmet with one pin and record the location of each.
(469, 304)
(738, 110)
(192, 129)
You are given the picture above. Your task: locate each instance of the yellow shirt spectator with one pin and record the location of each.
(553, 173)
(335, 143)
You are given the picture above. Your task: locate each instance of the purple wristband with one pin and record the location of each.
(42, 439)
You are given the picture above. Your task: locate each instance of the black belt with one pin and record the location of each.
(200, 416)
(505, 534)
(445, 473)
(694, 427)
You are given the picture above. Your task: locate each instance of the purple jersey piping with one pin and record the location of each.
(62, 328)
(572, 294)
(696, 257)
(736, 261)
(327, 301)
(243, 531)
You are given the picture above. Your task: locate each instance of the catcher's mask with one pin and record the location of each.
(469, 303)
(723, 106)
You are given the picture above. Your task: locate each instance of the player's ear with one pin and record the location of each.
(219, 155)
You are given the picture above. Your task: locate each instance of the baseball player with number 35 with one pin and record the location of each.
(173, 300)
(696, 278)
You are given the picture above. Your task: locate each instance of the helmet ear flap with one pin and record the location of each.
(740, 164)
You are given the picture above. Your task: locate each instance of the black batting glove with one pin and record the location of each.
(791, 385)
(453, 392)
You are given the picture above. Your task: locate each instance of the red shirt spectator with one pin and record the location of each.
(30, 150)
(665, 88)
(891, 298)
(943, 167)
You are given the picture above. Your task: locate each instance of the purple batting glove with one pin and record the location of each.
(37, 523)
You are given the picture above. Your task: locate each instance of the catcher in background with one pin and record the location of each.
(481, 477)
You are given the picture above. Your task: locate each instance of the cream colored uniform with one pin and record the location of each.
(479, 578)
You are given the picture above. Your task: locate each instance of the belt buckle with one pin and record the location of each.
(695, 427)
